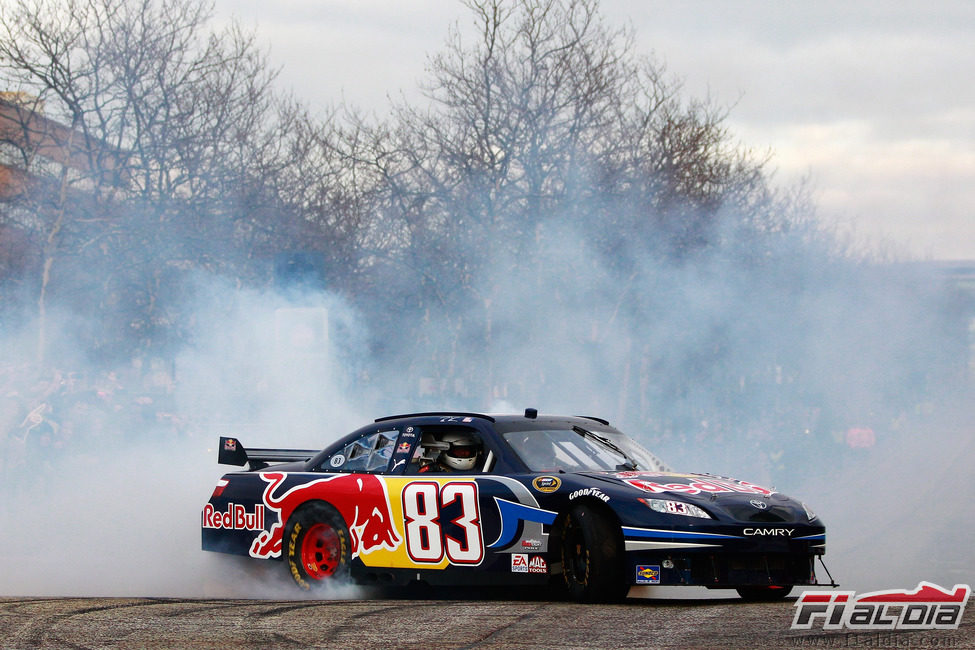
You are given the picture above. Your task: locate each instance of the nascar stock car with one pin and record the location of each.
(471, 499)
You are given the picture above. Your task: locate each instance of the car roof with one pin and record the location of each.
(506, 422)
(496, 426)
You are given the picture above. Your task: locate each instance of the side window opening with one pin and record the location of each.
(437, 442)
(370, 453)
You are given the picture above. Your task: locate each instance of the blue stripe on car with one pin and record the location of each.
(656, 533)
(512, 513)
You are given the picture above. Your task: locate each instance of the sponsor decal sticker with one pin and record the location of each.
(230, 444)
(927, 607)
(589, 492)
(537, 564)
(648, 574)
(519, 563)
(235, 518)
(711, 486)
(403, 448)
(531, 544)
(524, 563)
(547, 483)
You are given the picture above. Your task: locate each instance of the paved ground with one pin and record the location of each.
(409, 622)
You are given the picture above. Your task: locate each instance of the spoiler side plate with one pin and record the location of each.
(232, 452)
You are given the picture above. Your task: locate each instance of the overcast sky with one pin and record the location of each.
(873, 101)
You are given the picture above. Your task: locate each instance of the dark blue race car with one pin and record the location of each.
(473, 499)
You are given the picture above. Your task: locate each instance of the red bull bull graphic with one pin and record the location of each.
(439, 518)
(361, 500)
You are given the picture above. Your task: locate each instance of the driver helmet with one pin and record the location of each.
(463, 452)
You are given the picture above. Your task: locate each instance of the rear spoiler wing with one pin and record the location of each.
(231, 452)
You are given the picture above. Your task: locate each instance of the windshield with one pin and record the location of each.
(577, 449)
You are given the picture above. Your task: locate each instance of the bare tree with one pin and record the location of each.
(153, 136)
(549, 120)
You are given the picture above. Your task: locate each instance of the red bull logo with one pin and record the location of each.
(235, 518)
(713, 486)
(361, 500)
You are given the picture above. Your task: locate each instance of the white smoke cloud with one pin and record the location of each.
(841, 382)
(714, 365)
(108, 501)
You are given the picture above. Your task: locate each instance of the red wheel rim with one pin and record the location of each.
(320, 551)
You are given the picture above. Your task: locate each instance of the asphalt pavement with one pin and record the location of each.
(497, 621)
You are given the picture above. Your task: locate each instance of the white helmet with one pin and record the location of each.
(463, 452)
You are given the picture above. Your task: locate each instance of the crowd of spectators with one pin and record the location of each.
(46, 411)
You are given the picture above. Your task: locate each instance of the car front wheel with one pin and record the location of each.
(592, 561)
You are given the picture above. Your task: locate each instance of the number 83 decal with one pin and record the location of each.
(430, 534)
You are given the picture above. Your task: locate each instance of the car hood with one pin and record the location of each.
(729, 498)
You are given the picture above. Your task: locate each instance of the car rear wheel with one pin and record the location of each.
(764, 594)
(592, 561)
(316, 546)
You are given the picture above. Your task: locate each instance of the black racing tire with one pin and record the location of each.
(592, 559)
(763, 594)
(316, 546)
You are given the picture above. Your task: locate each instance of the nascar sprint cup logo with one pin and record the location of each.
(928, 607)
